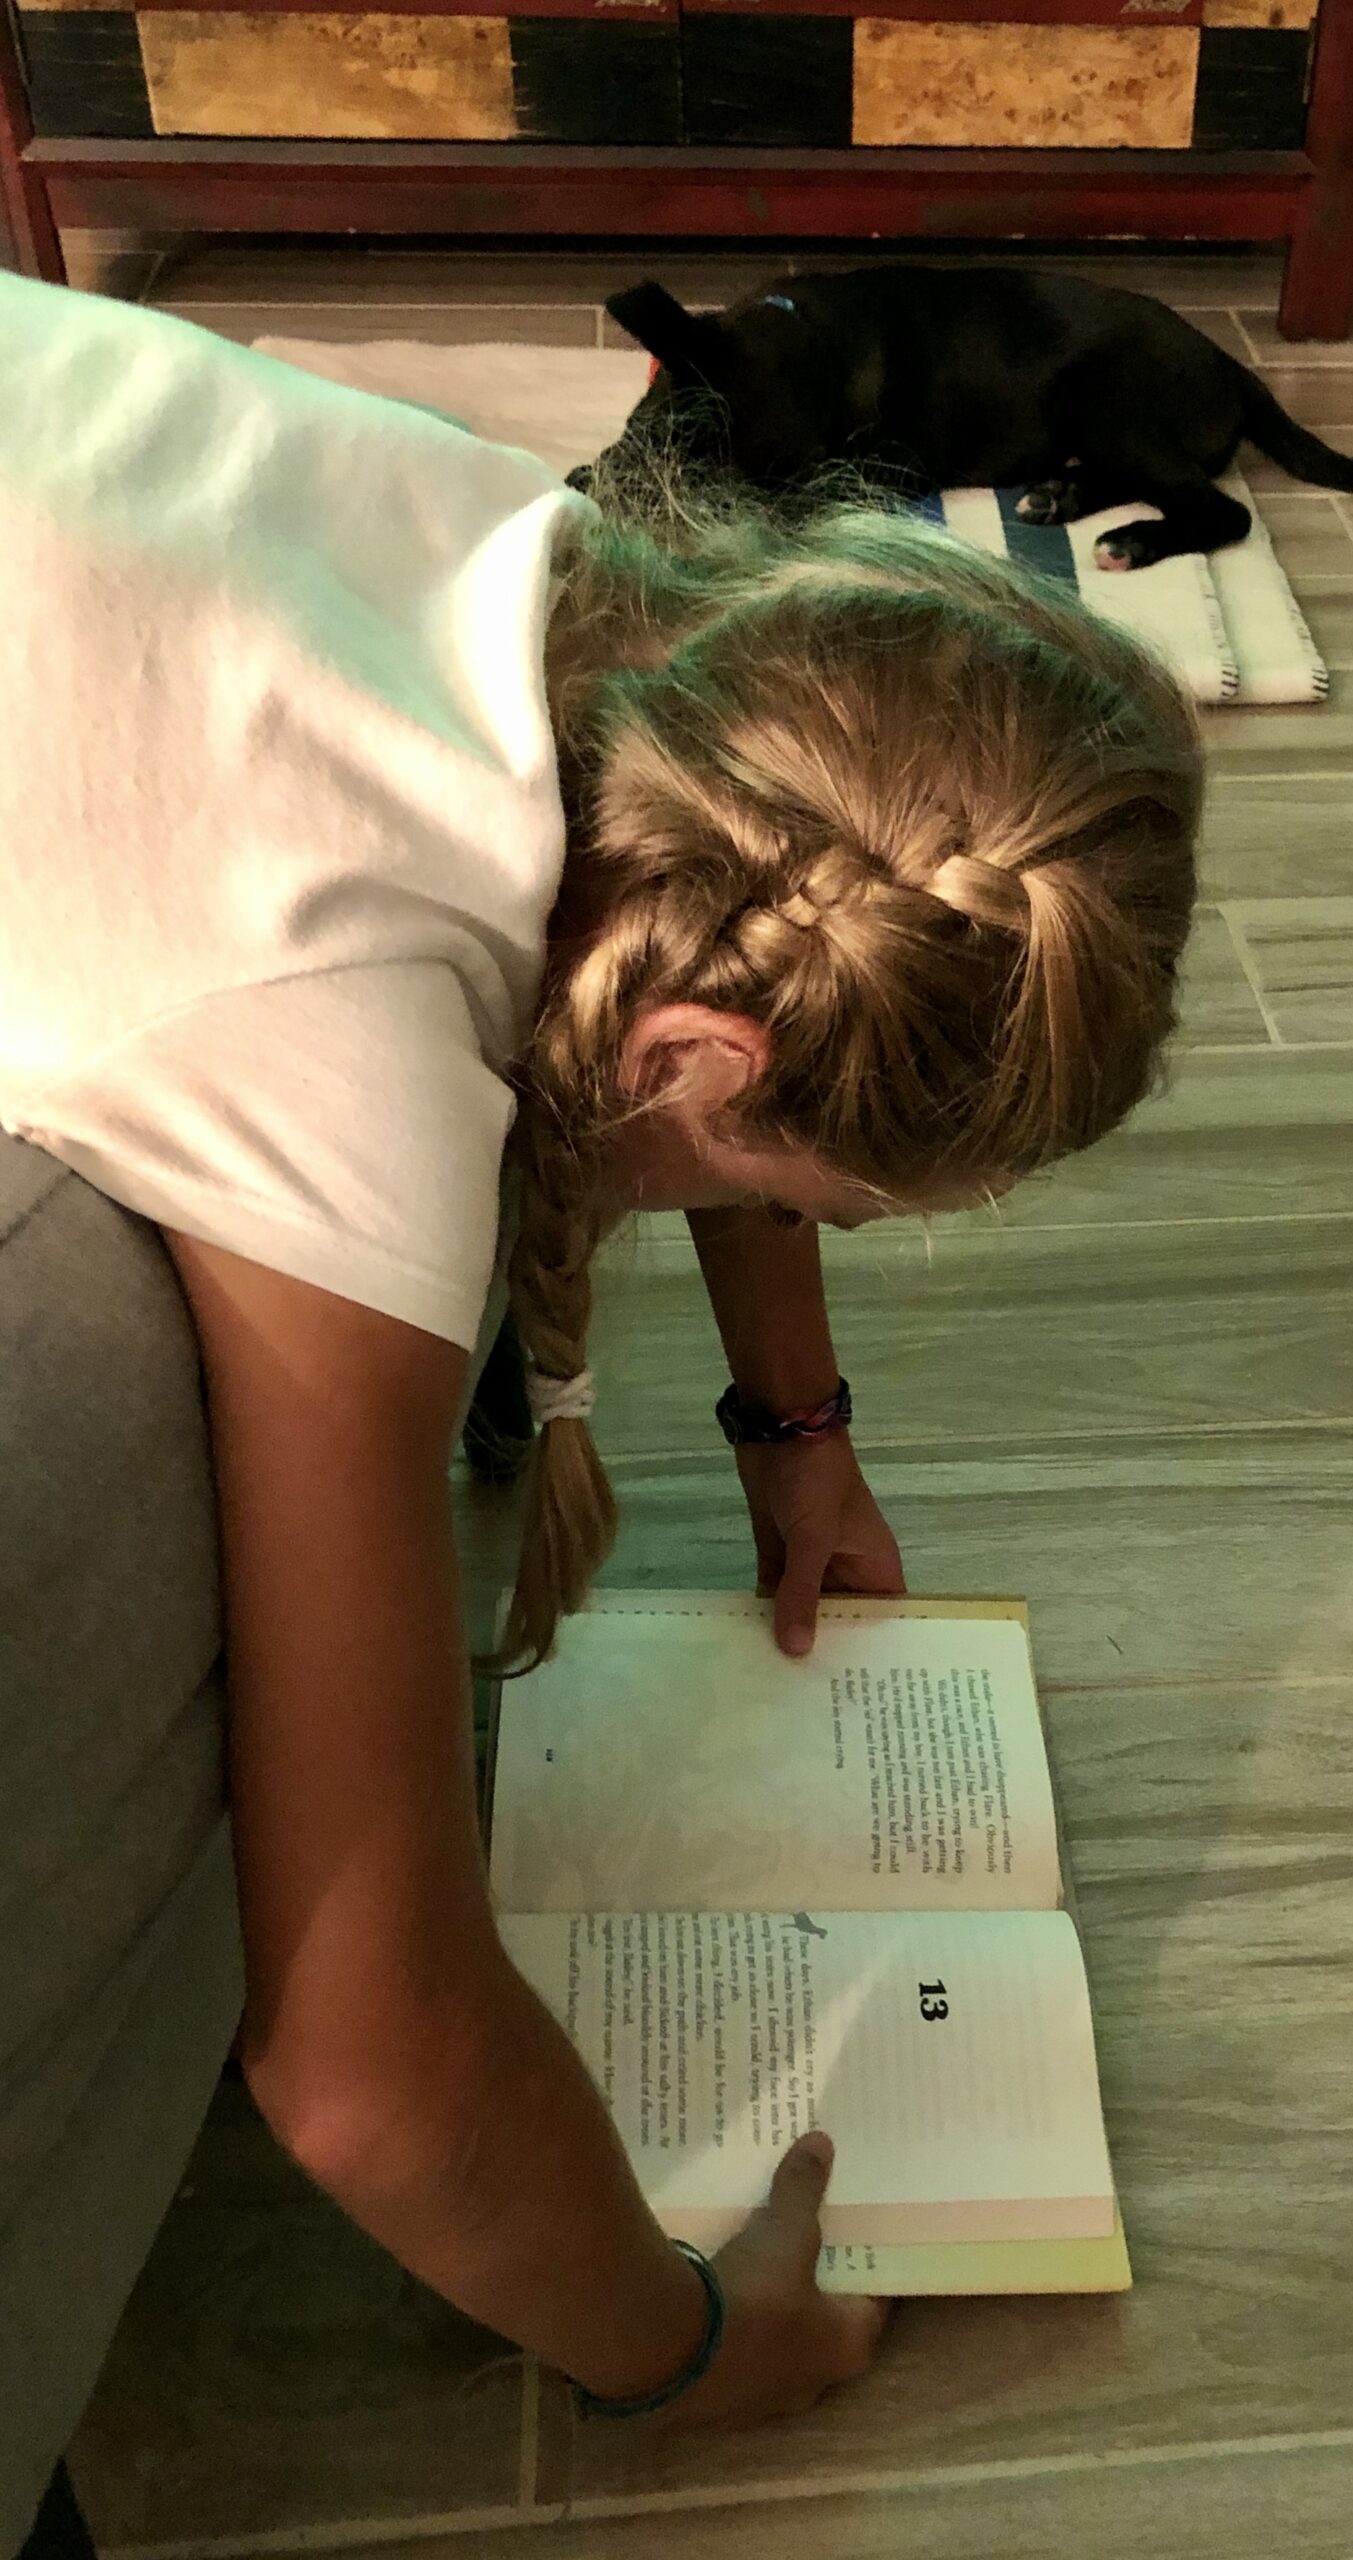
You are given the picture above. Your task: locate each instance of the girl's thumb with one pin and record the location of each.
(796, 1598)
(800, 2182)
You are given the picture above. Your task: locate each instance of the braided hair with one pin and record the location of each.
(916, 814)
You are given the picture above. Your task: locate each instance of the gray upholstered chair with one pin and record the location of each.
(121, 1974)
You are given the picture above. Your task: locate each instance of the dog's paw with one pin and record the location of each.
(1133, 546)
(1050, 502)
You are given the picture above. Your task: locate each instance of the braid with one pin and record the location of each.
(570, 1521)
(924, 821)
(983, 891)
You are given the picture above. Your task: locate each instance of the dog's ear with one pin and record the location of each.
(687, 344)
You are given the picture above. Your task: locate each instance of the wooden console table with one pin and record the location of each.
(914, 121)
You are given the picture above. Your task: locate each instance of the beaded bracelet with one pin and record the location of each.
(589, 2406)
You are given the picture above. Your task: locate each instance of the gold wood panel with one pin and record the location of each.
(1259, 13)
(363, 76)
(1024, 87)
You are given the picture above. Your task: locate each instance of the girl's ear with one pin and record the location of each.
(688, 344)
(693, 1055)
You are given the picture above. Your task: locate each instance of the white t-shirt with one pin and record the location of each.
(280, 825)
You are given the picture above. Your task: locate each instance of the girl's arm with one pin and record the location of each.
(815, 1523)
(387, 2040)
(765, 1286)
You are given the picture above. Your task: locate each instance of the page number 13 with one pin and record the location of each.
(933, 2001)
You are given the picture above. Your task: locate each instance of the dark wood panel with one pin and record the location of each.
(1026, 13)
(84, 72)
(777, 82)
(1251, 92)
(33, 245)
(478, 189)
(596, 83)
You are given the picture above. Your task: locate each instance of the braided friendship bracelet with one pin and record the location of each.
(742, 1423)
(589, 2406)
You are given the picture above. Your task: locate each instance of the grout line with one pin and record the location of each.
(1200, 1438)
(1253, 351)
(903, 2484)
(636, 1261)
(916, 1446)
(1128, 1226)
(152, 276)
(1255, 1048)
(1308, 773)
(528, 2451)
(601, 324)
(1250, 967)
(906, 2485)
(1343, 511)
(1028, 1443)
(348, 2534)
(624, 1258)
(1225, 1048)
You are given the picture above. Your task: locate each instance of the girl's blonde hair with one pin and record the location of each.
(920, 816)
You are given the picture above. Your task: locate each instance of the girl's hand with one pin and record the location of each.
(817, 1528)
(785, 2342)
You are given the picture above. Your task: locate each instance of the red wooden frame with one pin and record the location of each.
(544, 190)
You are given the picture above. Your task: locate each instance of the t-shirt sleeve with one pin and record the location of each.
(340, 1126)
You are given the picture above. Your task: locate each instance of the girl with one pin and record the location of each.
(391, 827)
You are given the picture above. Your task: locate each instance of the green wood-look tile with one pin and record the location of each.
(277, 2372)
(1225, 331)
(1330, 616)
(1215, 1556)
(1216, 2502)
(1264, 475)
(1303, 953)
(1008, 1336)
(1314, 737)
(1307, 530)
(1278, 354)
(1320, 394)
(1216, 999)
(1270, 835)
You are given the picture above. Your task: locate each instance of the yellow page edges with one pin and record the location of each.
(982, 2266)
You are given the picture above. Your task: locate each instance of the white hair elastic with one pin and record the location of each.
(559, 1399)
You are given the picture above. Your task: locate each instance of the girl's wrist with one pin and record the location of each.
(673, 2337)
(765, 1285)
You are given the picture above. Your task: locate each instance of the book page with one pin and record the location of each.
(949, 2056)
(671, 1758)
(981, 2266)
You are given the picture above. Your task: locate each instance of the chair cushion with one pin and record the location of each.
(121, 1976)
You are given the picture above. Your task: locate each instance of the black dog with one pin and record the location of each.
(1081, 394)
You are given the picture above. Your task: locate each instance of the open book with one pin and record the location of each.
(761, 1895)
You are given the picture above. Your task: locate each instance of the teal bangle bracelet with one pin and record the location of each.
(587, 2402)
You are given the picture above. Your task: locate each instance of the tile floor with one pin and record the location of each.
(1129, 1400)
